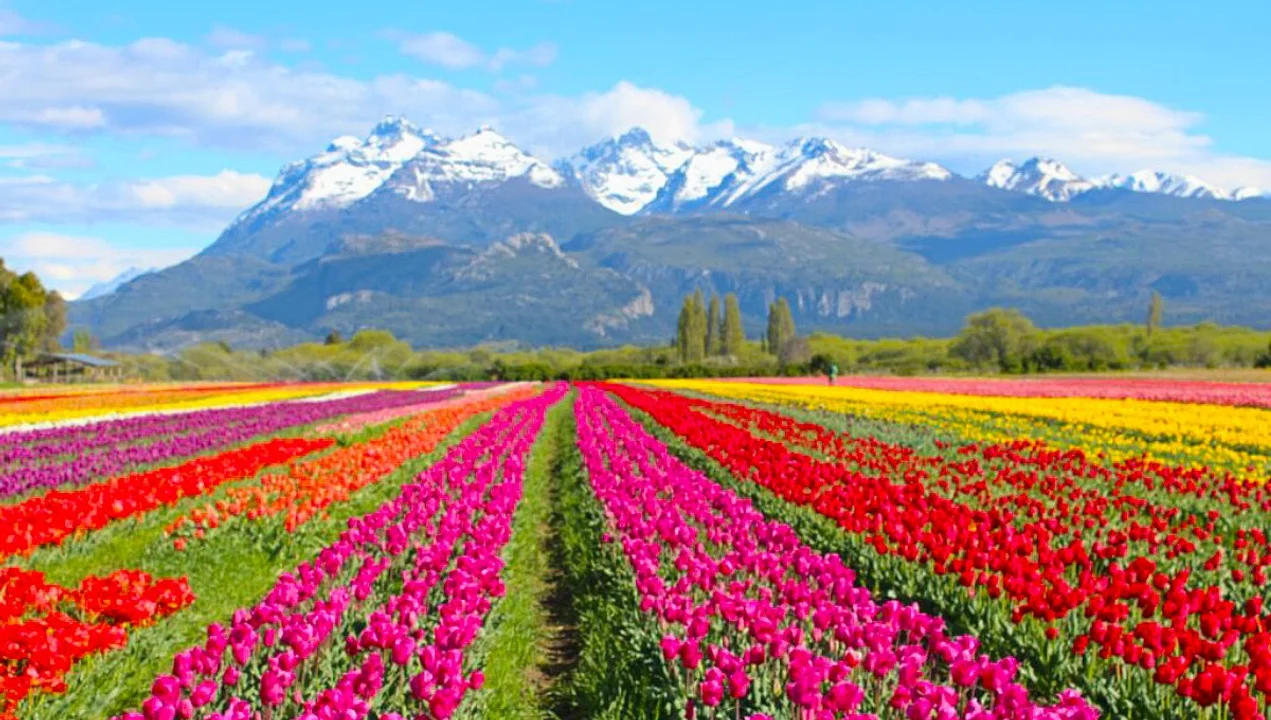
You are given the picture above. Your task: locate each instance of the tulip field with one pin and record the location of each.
(759, 549)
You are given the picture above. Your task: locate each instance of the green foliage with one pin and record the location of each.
(1155, 310)
(82, 341)
(1263, 360)
(795, 352)
(691, 329)
(54, 321)
(733, 336)
(780, 326)
(31, 317)
(379, 355)
(713, 328)
(334, 338)
(999, 338)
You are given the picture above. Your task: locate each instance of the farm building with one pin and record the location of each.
(71, 367)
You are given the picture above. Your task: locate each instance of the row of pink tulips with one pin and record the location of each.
(756, 622)
(384, 572)
(1113, 388)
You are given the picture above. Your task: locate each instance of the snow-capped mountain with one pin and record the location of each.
(628, 174)
(1248, 193)
(402, 179)
(731, 172)
(347, 171)
(1152, 181)
(102, 289)
(1043, 177)
(802, 163)
(1054, 181)
(482, 158)
(709, 175)
(625, 173)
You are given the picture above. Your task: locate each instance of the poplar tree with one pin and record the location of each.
(788, 332)
(691, 329)
(1155, 310)
(780, 326)
(733, 335)
(682, 328)
(697, 329)
(771, 335)
(713, 328)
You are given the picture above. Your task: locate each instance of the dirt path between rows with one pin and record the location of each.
(561, 644)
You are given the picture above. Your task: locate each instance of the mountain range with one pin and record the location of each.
(454, 241)
(107, 287)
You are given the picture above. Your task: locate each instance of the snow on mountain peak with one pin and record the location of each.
(728, 171)
(751, 147)
(625, 173)
(1043, 177)
(477, 159)
(1154, 181)
(710, 172)
(817, 161)
(634, 172)
(1054, 181)
(485, 140)
(821, 158)
(347, 171)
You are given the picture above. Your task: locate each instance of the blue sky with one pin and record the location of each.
(131, 132)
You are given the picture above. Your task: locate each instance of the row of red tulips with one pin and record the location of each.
(45, 629)
(51, 518)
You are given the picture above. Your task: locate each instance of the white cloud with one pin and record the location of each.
(230, 38)
(227, 189)
(72, 264)
(158, 87)
(1094, 132)
(557, 125)
(444, 49)
(42, 156)
(909, 112)
(12, 23)
(71, 118)
(194, 201)
(454, 53)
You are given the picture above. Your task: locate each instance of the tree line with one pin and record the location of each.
(710, 340)
(1005, 340)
